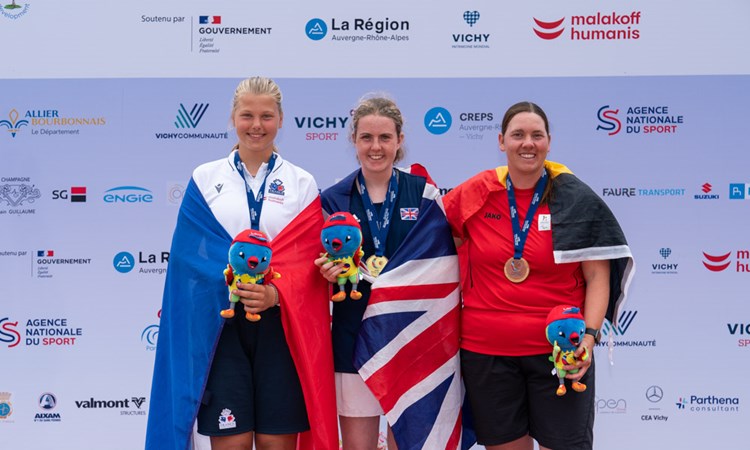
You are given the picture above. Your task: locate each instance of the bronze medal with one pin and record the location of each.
(516, 270)
(376, 264)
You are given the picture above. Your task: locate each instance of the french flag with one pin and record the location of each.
(212, 20)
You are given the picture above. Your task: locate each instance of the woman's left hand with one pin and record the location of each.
(582, 365)
(596, 274)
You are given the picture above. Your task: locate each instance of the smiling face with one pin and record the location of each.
(526, 143)
(377, 142)
(257, 119)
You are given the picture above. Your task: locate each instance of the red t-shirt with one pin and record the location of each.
(500, 317)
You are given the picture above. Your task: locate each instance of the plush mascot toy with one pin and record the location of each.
(565, 330)
(249, 262)
(342, 240)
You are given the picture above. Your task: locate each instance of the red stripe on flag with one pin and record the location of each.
(306, 322)
(411, 292)
(427, 352)
(455, 437)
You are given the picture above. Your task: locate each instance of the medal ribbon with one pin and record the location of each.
(254, 202)
(521, 233)
(379, 227)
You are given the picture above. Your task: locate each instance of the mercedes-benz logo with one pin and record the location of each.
(654, 394)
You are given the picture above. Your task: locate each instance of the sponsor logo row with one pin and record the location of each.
(47, 262)
(54, 332)
(619, 331)
(62, 332)
(21, 196)
(733, 261)
(468, 29)
(50, 409)
(464, 30)
(44, 262)
(188, 123)
(660, 407)
(706, 191)
(654, 405)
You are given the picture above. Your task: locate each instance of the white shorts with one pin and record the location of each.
(354, 398)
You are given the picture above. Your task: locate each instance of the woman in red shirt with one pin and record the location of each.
(522, 254)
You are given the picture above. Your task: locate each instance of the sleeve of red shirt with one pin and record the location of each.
(453, 212)
(462, 202)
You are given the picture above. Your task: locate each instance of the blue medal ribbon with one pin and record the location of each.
(378, 226)
(521, 233)
(254, 201)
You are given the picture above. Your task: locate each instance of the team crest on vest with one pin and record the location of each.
(276, 187)
(276, 191)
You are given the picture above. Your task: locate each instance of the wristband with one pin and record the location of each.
(277, 301)
(595, 333)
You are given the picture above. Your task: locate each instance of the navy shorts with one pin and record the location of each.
(512, 396)
(253, 384)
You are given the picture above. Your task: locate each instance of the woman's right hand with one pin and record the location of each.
(329, 269)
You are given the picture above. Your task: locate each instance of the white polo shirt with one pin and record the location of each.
(289, 190)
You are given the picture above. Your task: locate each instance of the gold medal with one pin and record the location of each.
(376, 264)
(516, 270)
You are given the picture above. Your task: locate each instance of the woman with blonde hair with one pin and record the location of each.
(247, 383)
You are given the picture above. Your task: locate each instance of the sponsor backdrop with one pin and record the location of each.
(104, 114)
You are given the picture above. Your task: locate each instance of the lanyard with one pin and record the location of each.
(378, 226)
(521, 233)
(254, 201)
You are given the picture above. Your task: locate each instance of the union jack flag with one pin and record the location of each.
(409, 213)
(407, 349)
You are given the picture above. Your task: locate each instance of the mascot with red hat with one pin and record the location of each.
(342, 239)
(565, 329)
(249, 262)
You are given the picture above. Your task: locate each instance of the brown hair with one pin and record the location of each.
(378, 106)
(530, 107)
(522, 107)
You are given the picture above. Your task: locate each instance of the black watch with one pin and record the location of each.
(595, 333)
